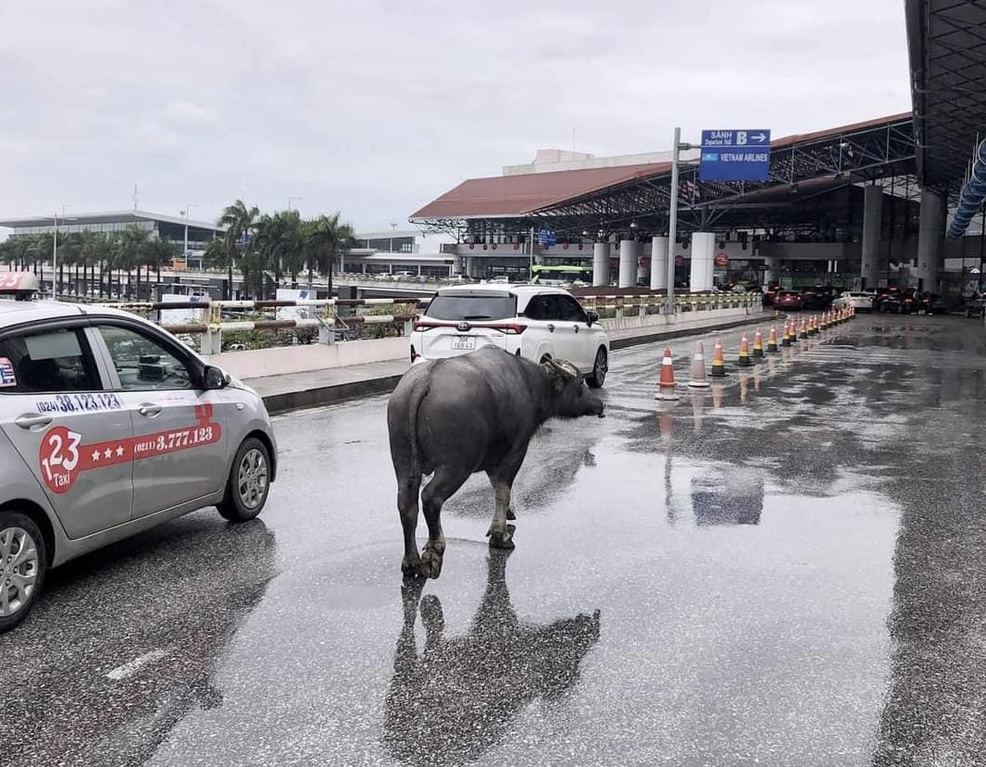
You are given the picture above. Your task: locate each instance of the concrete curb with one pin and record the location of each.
(284, 402)
(329, 395)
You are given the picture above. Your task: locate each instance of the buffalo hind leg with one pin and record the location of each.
(407, 505)
(441, 487)
(501, 534)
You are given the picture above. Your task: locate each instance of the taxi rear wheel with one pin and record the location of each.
(249, 482)
(23, 564)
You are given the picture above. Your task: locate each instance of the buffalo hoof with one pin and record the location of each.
(411, 566)
(500, 540)
(510, 513)
(431, 563)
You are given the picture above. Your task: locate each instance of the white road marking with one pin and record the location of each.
(131, 668)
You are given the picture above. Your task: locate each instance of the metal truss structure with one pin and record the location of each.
(810, 193)
(947, 47)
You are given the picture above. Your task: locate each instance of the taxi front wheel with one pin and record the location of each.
(23, 563)
(248, 483)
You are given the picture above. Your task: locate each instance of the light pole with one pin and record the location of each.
(184, 214)
(673, 217)
(54, 254)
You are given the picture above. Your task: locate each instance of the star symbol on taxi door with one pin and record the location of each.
(108, 454)
(120, 451)
(95, 456)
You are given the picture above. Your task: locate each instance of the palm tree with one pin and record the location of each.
(326, 239)
(132, 252)
(280, 244)
(239, 222)
(160, 253)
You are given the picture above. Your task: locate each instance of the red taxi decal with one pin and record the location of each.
(64, 456)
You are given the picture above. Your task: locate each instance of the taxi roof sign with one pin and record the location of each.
(20, 284)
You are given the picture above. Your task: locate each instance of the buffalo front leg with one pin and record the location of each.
(407, 505)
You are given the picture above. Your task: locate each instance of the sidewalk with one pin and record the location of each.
(293, 391)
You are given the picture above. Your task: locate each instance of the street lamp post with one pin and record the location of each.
(185, 215)
(54, 254)
(673, 217)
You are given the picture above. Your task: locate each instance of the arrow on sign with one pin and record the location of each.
(760, 137)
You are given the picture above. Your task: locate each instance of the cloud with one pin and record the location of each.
(375, 108)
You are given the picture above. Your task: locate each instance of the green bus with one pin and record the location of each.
(561, 274)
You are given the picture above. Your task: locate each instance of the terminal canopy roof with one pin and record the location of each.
(947, 47)
(803, 170)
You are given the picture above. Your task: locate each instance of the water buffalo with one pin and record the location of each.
(475, 412)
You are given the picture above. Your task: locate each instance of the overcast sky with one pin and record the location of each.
(375, 107)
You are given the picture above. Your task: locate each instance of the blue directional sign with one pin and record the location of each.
(735, 155)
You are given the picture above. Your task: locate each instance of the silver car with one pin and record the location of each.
(109, 426)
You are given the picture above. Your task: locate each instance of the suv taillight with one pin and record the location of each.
(513, 329)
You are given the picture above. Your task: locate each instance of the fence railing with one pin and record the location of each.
(339, 319)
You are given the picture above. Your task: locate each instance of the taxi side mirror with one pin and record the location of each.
(215, 378)
(593, 317)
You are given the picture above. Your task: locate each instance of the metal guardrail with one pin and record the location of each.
(329, 322)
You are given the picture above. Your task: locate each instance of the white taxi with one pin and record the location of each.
(535, 321)
(109, 426)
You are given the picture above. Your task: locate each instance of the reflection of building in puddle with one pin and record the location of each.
(728, 496)
(453, 701)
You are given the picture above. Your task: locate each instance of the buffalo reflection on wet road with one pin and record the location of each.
(454, 700)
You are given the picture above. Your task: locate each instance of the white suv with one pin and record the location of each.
(535, 321)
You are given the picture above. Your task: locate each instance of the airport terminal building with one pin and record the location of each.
(860, 205)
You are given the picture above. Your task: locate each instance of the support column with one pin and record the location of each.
(773, 271)
(600, 264)
(930, 240)
(628, 264)
(703, 261)
(872, 224)
(659, 263)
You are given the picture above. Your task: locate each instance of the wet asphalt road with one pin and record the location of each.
(786, 570)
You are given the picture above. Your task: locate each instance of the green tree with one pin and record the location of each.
(325, 240)
(239, 221)
(280, 243)
(132, 254)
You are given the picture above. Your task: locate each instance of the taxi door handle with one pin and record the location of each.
(551, 327)
(149, 410)
(33, 421)
(576, 328)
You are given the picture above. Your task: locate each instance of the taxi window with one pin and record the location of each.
(144, 363)
(49, 361)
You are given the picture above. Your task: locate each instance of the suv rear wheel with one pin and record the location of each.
(600, 367)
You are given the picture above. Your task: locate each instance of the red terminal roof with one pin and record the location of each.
(520, 195)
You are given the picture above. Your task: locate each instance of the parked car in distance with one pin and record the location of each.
(860, 301)
(788, 299)
(900, 302)
(817, 297)
(975, 306)
(536, 321)
(109, 426)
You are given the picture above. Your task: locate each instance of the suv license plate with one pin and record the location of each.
(460, 343)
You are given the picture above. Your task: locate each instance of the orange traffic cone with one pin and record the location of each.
(699, 378)
(786, 338)
(718, 363)
(803, 331)
(666, 383)
(758, 344)
(772, 340)
(744, 353)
